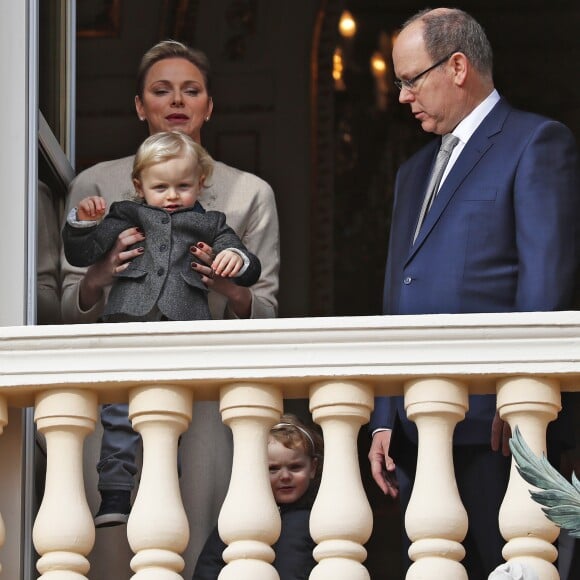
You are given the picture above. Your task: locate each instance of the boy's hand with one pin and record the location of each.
(227, 264)
(91, 208)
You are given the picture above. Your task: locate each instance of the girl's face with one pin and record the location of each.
(291, 471)
(171, 184)
(174, 98)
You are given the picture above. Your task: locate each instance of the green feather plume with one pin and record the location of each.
(560, 498)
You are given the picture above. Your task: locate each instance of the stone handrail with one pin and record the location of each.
(340, 364)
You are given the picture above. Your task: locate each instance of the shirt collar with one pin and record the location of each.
(467, 127)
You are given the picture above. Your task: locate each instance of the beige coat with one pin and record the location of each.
(250, 209)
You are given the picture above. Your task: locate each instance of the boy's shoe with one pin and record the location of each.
(115, 508)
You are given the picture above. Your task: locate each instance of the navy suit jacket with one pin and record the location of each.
(502, 236)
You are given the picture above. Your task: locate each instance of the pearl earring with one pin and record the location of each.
(207, 119)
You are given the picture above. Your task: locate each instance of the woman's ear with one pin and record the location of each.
(139, 108)
(209, 109)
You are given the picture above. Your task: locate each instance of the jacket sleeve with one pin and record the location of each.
(547, 217)
(112, 182)
(383, 415)
(85, 246)
(262, 237)
(226, 238)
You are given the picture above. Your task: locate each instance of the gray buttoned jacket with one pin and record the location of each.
(162, 276)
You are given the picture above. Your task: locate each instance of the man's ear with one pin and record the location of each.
(460, 66)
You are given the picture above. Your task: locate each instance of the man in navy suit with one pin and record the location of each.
(501, 235)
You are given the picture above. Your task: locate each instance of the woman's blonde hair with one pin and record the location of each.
(173, 49)
(168, 145)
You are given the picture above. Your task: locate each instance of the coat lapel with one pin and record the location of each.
(411, 192)
(473, 152)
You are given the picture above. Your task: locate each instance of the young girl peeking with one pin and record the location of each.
(161, 283)
(295, 454)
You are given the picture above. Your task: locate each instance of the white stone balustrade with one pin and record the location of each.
(158, 531)
(249, 522)
(161, 368)
(341, 519)
(530, 403)
(436, 406)
(64, 533)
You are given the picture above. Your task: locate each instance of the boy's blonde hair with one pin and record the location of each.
(168, 145)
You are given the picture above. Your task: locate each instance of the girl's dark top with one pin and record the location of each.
(293, 550)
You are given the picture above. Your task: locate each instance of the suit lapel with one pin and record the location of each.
(473, 152)
(411, 192)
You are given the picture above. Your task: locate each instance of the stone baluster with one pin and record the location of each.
(158, 530)
(3, 423)
(341, 519)
(436, 521)
(64, 532)
(249, 520)
(530, 403)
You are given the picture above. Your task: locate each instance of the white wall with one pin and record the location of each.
(13, 251)
(13, 160)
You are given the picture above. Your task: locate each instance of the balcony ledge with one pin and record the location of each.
(382, 350)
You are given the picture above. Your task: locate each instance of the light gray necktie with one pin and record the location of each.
(448, 143)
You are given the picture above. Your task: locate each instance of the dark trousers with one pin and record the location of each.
(119, 447)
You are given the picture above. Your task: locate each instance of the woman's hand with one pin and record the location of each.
(239, 298)
(100, 274)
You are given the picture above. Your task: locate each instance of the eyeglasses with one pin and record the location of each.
(409, 84)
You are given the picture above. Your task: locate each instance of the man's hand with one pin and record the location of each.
(382, 466)
(500, 435)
